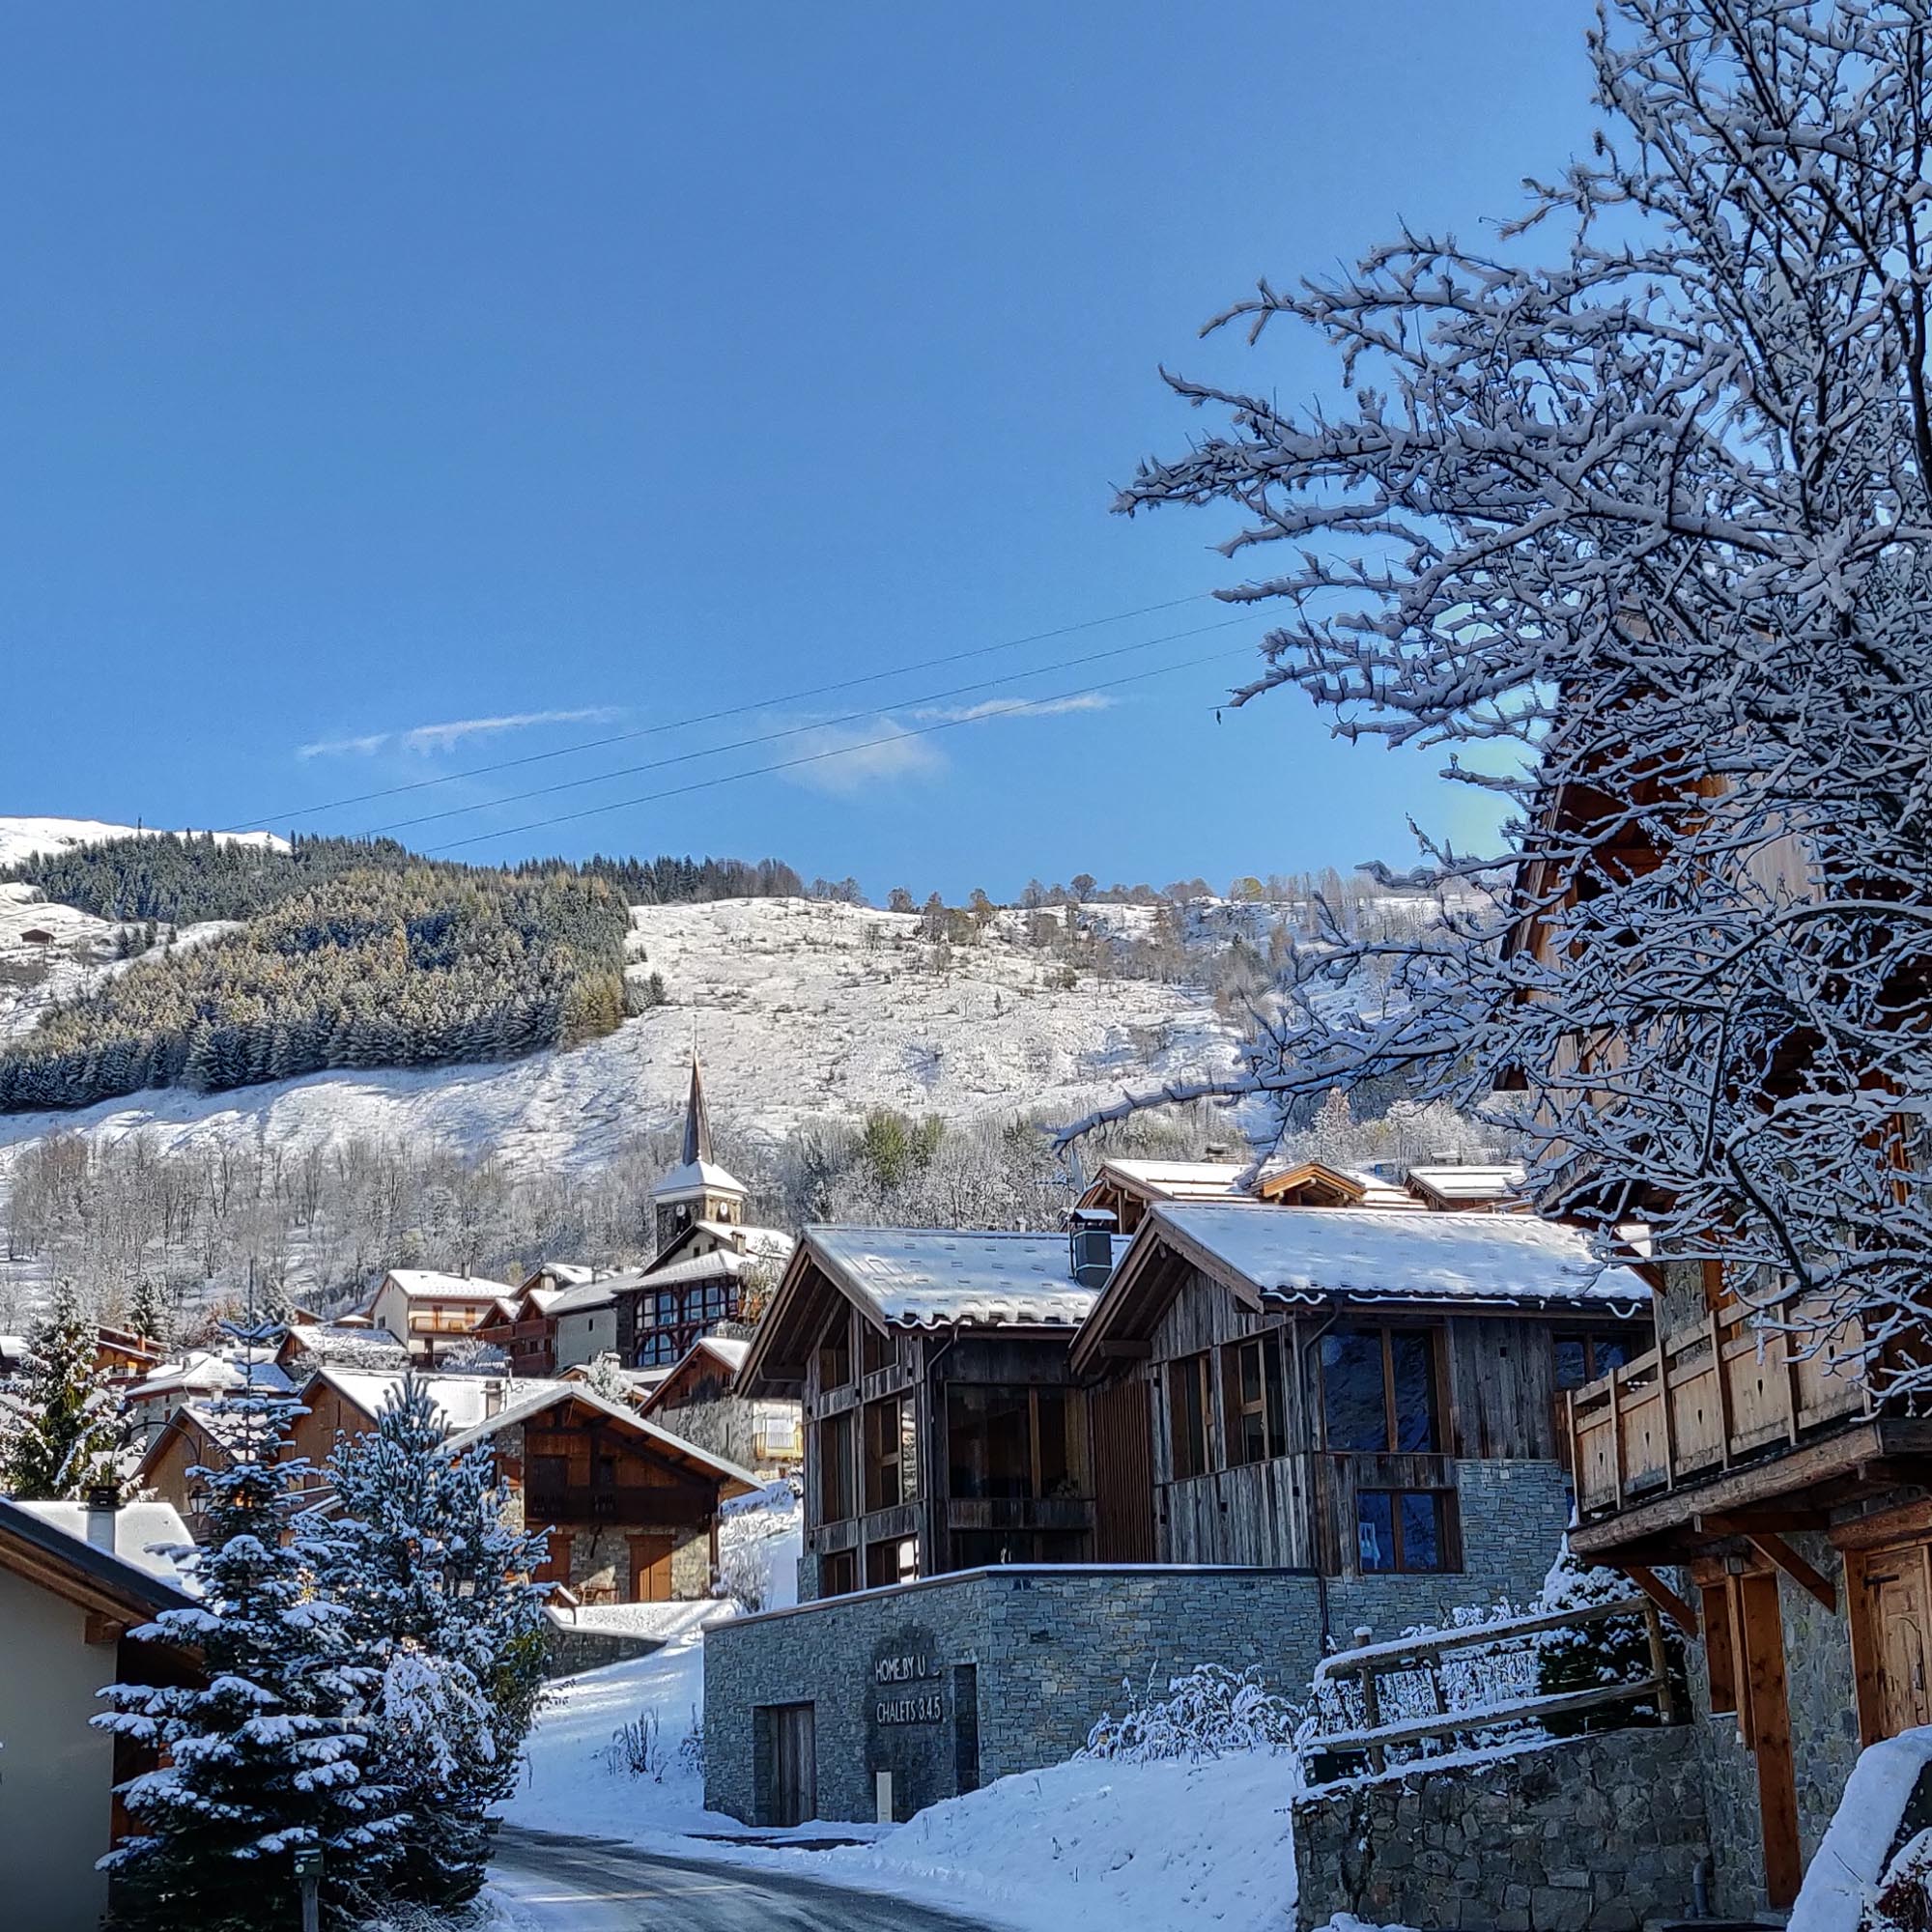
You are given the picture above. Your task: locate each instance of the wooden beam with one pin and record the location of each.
(1664, 1597)
(1126, 1348)
(1760, 1521)
(103, 1629)
(1778, 1552)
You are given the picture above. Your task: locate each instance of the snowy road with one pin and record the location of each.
(555, 1884)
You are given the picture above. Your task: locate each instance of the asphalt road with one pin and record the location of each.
(589, 1885)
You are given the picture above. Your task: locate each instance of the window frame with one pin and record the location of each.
(1447, 1533)
(1269, 1404)
(1386, 1333)
(1194, 1374)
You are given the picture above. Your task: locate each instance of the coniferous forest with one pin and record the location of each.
(346, 953)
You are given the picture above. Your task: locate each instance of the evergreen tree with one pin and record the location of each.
(71, 1431)
(437, 1587)
(270, 1753)
(148, 1312)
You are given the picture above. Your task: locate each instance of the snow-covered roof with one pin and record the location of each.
(209, 1372)
(351, 1347)
(1457, 1181)
(726, 1347)
(939, 1275)
(143, 1533)
(695, 1268)
(433, 1285)
(696, 1176)
(1366, 1253)
(566, 1274)
(591, 1294)
(772, 1244)
(1179, 1179)
(546, 1395)
(464, 1400)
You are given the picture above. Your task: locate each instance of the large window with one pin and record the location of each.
(835, 1468)
(1251, 1398)
(1008, 1444)
(892, 1453)
(1403, 1529)
(1189, 1404)
(1379, 1391)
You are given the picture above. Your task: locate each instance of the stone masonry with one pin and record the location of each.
(1592, 1835)
(957, 1680)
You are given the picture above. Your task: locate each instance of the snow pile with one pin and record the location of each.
(1090, 1843)
(1843, 1879)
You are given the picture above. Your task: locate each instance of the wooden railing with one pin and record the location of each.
(1737, 1385)
(1370, 1663)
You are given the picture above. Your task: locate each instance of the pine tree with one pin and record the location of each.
(148, 1312)
(269, 1752)
(436, 1586)
(66, 1442)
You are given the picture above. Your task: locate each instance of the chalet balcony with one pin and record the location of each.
(1724, 1415)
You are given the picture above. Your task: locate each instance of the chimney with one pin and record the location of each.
(1090, 1237)
(102, 1505)
(492, 1398)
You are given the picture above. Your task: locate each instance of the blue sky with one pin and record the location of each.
(371, 372)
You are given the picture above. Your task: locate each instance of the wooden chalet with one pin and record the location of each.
(192, 1437)
(1127, 1189)
(427, 1310)
(1750, 1456)
(943, 1427)
(699, 1400)
(1374, 1395)
(632, 1510)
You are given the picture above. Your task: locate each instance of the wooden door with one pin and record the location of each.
(650, 1569)
(1899, 1608)
(1763, 1631)
(555, 1566)
(1123, 1426)
(794, 1764)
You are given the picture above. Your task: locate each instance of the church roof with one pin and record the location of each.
(696, 1117)
(697, 1176)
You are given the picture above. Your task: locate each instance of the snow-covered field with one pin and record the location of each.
(21, 836)
(800, 1010)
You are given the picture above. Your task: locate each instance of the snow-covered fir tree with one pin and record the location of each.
(435, 1587)
(70, 1426)
(1637, 521)
(273, 1752)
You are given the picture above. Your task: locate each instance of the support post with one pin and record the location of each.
(1659, 1664)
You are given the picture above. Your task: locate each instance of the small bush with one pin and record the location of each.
(1210, 1712)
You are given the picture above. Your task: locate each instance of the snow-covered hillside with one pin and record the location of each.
(800, 1010)
(20, 837)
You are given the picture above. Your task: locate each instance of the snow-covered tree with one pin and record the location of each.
(70, 1428)
(1636, 524)
(435, 1587)
(605, 1376)
(271, 1752)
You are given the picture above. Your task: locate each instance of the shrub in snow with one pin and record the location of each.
(1903, 1900)
(1209, 1711)
(634, 1749)
(744, 1573)
(271, 1752)
(1600, 1654)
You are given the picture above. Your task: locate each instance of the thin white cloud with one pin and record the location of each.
(1016, 707)
(428, 739)
(846, 758)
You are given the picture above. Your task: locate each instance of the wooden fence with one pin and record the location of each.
(1370, 1663)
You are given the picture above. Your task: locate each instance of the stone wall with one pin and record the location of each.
(1592, 1835)
(1512, 1515)
(1824, 1733)
(568, 1652)
(958, 1680)
(600, 1559)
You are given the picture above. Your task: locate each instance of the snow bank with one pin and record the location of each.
(1851, 1859)
(1155, 1846)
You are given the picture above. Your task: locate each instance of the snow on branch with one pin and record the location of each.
(1649, 516)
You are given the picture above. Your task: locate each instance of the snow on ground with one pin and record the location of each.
(1164, 1847)
(800, 1010)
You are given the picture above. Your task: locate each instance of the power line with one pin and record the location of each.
(1018, 705)
(286, 816)
(798, 730)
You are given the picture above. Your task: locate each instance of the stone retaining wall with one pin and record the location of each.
(1591, 1835)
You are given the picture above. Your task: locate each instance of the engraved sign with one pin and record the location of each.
(916, 1676)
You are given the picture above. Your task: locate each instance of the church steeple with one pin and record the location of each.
(696, 1118)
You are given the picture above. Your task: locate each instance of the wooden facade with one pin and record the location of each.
(1241, 1402)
